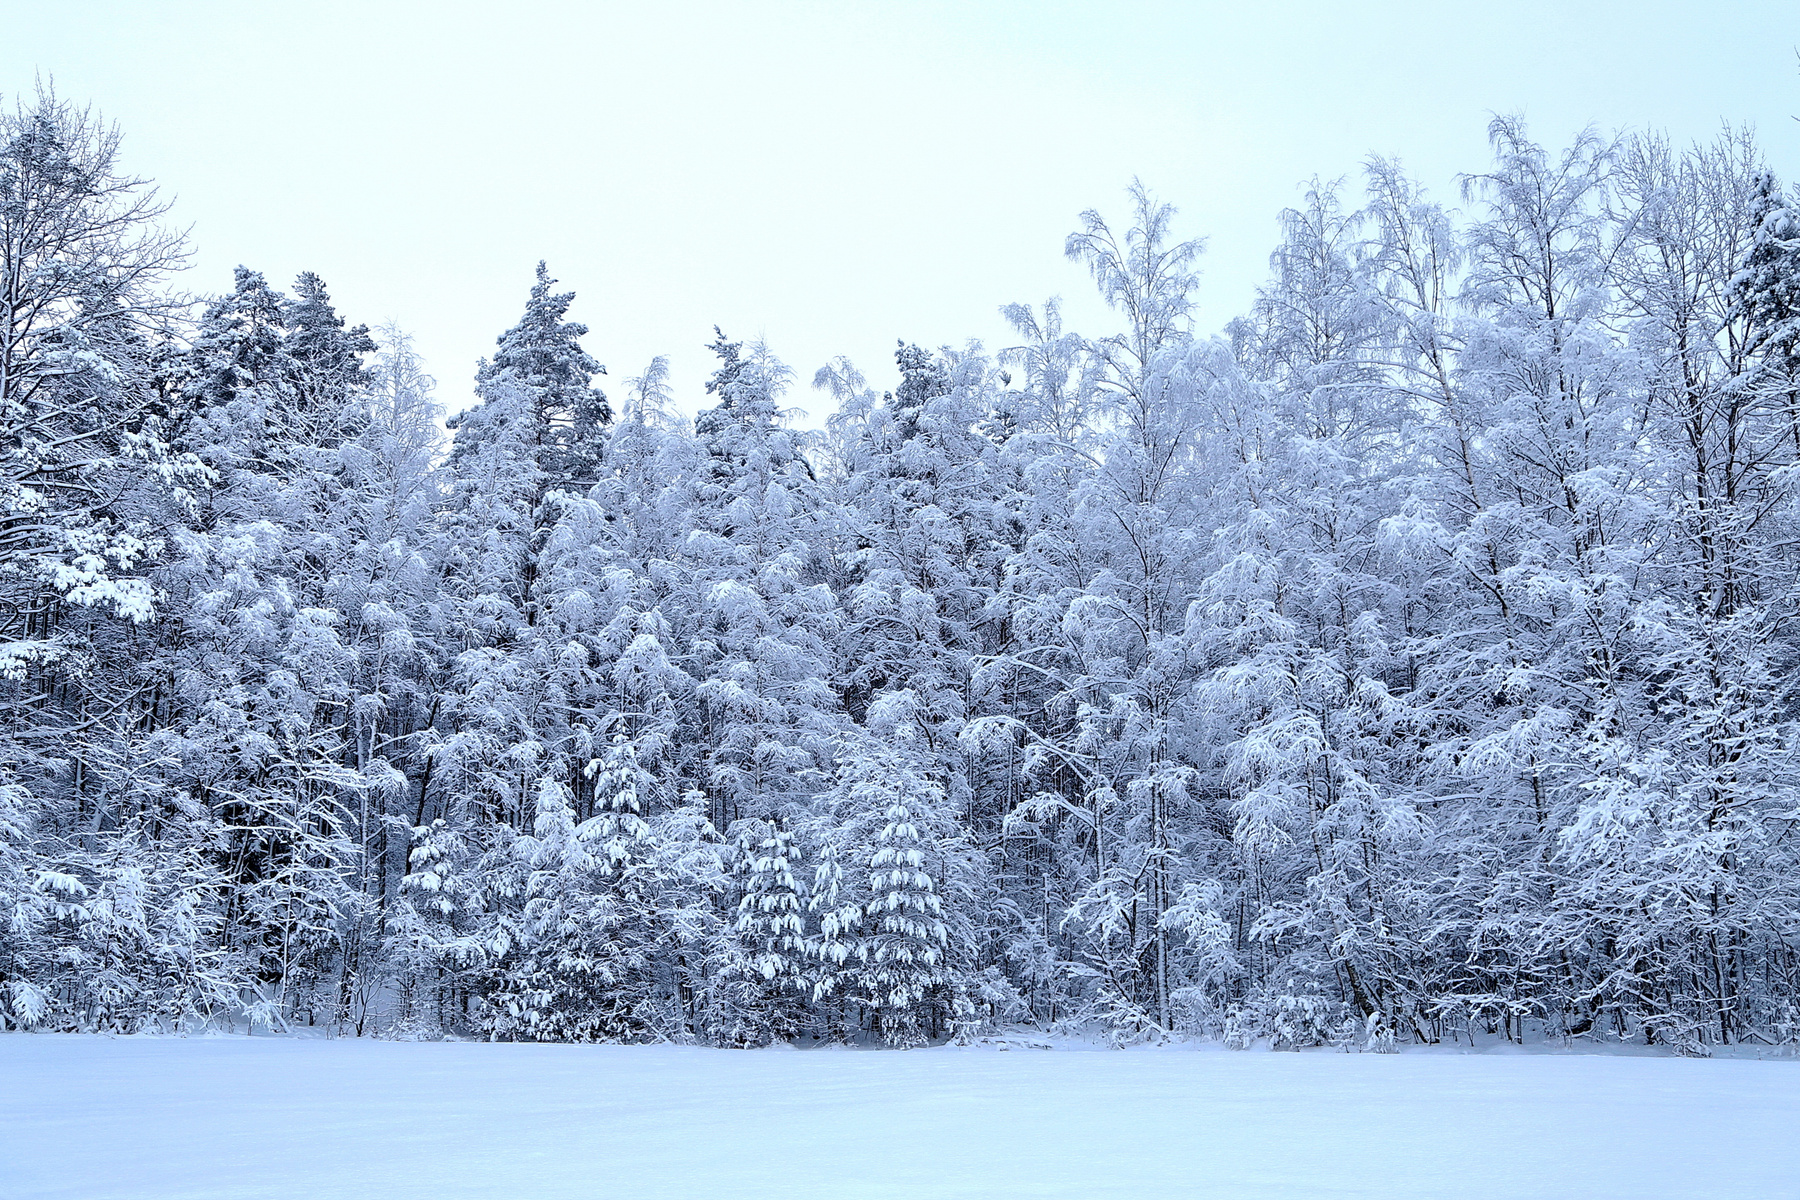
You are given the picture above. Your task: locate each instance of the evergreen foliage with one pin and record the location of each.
(1412, 658)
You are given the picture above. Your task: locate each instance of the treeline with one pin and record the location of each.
(1415, 658)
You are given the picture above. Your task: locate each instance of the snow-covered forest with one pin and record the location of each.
(1414, 657)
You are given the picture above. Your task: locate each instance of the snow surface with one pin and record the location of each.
(94, 1118)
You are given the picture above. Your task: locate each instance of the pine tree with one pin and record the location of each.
(1765, 295)
(895, 937)
(764, 980)
(764, 617)
(533, 433)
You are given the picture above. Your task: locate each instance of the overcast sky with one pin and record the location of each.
(828, 176)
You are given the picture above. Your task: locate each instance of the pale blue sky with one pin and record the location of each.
(830, 176)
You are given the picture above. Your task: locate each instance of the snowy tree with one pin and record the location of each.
(894, 943)
(1411, 659)
(765, 616)
(764, 981)
(115, 906)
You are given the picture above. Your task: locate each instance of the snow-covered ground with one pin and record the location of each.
(90, 1118)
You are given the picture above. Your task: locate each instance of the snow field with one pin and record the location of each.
(88, 1118)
